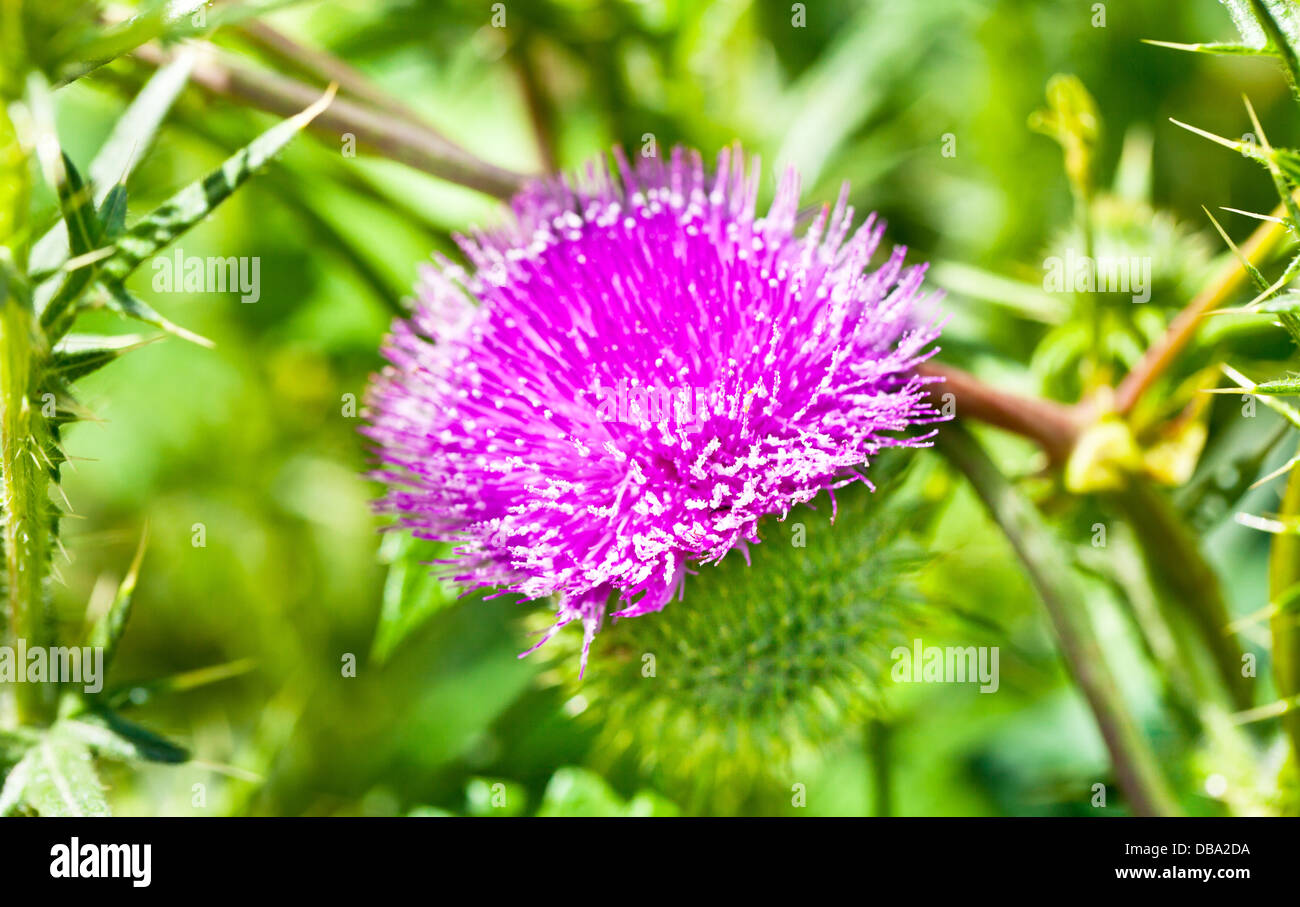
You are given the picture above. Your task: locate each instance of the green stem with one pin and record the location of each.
(1090, 301)
(1284, 583)
(1174, 560)
(26, 509)
(1135, 765)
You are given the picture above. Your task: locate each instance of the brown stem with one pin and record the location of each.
(539, 105)
(1183, 328)
(1053, 425)
(411, 143)
(327, 67)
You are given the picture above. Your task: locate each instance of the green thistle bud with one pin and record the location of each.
(721, 697)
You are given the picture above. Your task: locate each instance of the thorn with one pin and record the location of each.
(89, 258)
(1255, 276)
(1280, 471)
(1264, 296)
(1242, 381)
(1254, 121)
(1218, 139)
(1172, 45)
(69, 512)
(1268, 217)
(318, 107)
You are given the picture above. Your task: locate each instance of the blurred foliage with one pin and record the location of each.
(255, 441)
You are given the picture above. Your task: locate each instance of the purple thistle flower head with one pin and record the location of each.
(634, 372)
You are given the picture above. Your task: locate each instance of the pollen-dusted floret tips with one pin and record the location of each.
(635, 371)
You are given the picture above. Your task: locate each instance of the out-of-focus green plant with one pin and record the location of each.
(1271, 28)
(48, 278)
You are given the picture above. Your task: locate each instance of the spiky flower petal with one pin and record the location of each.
(634, 372)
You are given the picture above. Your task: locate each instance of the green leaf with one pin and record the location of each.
(131, 137)
(1287, 304)
(154, 20)
(140, 693)
(107, 631)
(77, 355)
(412, 593)
(112, 213)
(1249, 17)
(56, 777)
(83, 231)
(110, 735)
(14, 744)
(121, 300)
(86, 228)
(1264, 302)
(1233, 458)
(79, 215)
(1291, 321)
(197, 200)
(134, 131)
(1279, 21)
(1071, 119)
(1286, 307)
(1025, 299)
(166, 21)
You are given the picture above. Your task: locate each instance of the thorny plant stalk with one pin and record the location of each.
(49, 275)
(26, 504)
(24, 536)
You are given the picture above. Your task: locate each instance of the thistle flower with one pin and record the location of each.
(634, 372)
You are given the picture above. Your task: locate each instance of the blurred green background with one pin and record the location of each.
(257, 439)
